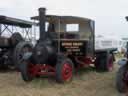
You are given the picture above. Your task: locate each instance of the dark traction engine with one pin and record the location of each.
(45, 59)
(7, 47)
(58, 52)
(10, 51)
(13, 47)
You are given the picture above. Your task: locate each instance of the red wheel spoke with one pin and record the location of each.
(67, 72)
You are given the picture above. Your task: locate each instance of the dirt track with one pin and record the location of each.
(86, 83)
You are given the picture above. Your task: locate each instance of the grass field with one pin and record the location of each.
(86, 82)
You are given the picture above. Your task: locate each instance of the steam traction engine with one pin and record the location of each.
(11, 39)
(59, 50)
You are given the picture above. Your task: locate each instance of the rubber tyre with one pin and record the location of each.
(59, 67)
(24, 72)
(18, 51)
(102, 61)
(120, 85)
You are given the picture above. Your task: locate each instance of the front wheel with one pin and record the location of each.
(122, 79)
(26, 70)
(64, 70)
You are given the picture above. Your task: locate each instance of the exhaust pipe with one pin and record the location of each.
(42, 20)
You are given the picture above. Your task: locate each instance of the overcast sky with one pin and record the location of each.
(109, 15)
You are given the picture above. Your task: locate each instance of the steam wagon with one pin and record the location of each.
(11, 40)
(66, 43)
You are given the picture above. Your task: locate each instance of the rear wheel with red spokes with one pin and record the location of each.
(67, 72)
(64, 70)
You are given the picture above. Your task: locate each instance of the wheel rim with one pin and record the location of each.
(110, 64)
(67, 72)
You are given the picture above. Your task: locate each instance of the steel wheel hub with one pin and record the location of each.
(67, 72)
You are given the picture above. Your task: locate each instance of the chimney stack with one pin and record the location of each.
(42, 20)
